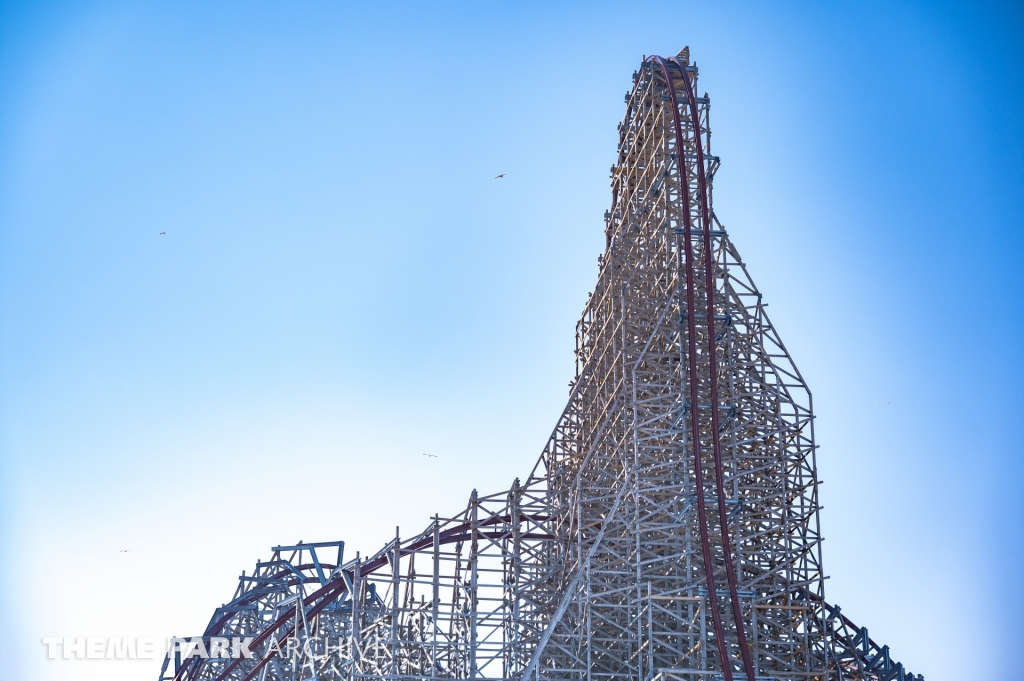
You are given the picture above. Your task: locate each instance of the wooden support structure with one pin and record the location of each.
(669, 530)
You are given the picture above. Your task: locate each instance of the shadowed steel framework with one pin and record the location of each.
(669, 530)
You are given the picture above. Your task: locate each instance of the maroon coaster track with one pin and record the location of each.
(329, 592)
(691, 320)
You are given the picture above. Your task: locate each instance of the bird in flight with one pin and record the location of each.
(125, 550)
(498, 177)
(432, 456)
(885, 404)
(162, 233)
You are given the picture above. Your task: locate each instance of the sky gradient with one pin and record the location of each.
(343, 286)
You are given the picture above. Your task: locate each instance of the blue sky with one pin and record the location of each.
(343, 286)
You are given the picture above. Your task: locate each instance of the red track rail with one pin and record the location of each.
(705, 540)
(330, 591)
(709, 278)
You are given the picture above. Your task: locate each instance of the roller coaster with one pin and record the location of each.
(669, 530)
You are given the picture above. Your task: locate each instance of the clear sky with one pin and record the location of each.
(343, 286)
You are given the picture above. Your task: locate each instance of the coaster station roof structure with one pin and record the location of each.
(669, 530)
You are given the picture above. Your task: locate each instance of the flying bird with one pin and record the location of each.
(162, 233)
(498, 177)
(432, 456)
(885, 404)
(125, 550)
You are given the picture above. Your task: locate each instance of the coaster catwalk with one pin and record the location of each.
(670, 527)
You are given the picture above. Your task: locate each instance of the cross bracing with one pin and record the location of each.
(669, 530)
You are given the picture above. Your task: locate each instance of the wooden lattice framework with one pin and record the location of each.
(669, 529)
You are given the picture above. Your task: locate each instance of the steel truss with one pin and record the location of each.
(669, 530)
